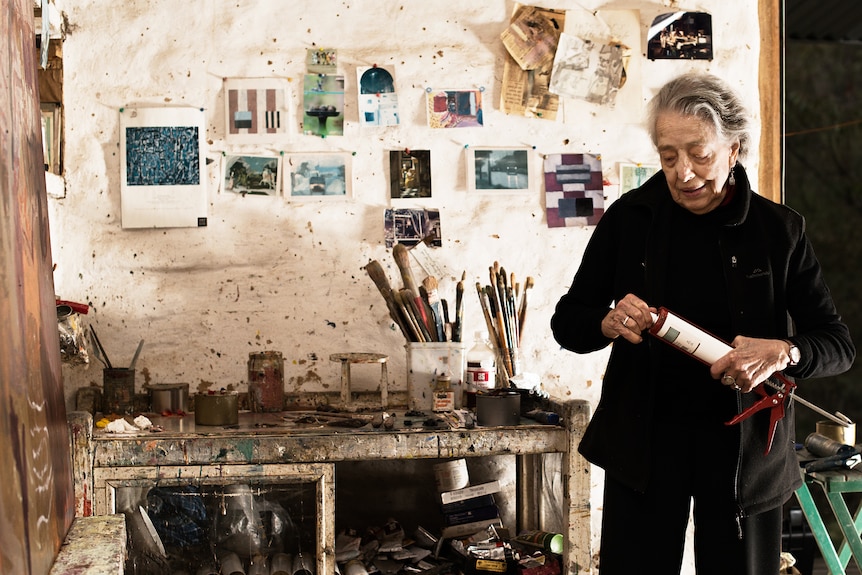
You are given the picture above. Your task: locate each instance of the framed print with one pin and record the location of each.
(323, 105)
(574, 190)
(317, 176)
(454, 108)
(162, 167)
(498, 170)
(635, 175)
(409, 174)
(256, 110)
(256, 175)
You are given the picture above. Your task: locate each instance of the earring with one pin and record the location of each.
(731, 179)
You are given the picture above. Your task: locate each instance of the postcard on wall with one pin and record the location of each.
(574, 190)
(256, 175)
(323, 105)
(162, 167)
(378, 103)
(587, 70)
(531, 37)
(411, 226)
(454, 108)
(409, 174)
(635, 175)
(317, 176)
(680, 36)
(498, 170)
(321, 61)
(256, 110)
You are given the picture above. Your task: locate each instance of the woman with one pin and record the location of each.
(697, 240)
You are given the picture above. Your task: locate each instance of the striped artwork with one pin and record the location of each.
(255, 110)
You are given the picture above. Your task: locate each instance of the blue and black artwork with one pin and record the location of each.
(162, 156)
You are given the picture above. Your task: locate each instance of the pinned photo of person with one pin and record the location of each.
(410, 174)
(323, 105)
(680, 36)
(378, 103)
(411, 226)
(257, 175)
(321, 61)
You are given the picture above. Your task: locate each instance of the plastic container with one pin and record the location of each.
(425, 361)
(481, 374)
(546, 540)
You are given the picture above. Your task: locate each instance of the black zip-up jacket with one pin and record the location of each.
(775, 289)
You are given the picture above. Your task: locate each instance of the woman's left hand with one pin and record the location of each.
(750, 362)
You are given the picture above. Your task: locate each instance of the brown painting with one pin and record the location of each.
(35, 479)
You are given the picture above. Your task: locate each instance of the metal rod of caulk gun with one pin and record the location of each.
(842, 422)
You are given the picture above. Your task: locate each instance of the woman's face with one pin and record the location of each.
(695, 162)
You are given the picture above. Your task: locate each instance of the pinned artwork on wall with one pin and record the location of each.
(256, 110)
(574, 190)
(255, 175)
(321, 61)
(323, 105)
(680, 36)
(409, 174)
(410, 226)
(317, 176)
(635, 175)
(498, 170)
(454, 108)
(587, 70)
(162, 167)
(378, 102)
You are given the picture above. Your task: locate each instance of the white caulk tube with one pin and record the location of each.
(687, 337)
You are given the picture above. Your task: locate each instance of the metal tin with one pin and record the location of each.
(216, 409)
(266, 381)
(499, 407)
(119, 390)
(169, 397)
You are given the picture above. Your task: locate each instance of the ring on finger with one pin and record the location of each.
(626, 321)
(729, 380)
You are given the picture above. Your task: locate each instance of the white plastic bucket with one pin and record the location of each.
(425, 361)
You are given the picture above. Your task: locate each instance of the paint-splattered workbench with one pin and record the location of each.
(280, 445)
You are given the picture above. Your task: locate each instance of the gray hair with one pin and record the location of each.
(708, 98)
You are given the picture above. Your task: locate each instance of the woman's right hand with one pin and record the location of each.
(629, 318)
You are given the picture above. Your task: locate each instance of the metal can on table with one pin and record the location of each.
(266, 381)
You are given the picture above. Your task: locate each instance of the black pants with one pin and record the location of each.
(645, 532)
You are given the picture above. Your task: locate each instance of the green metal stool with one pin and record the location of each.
(835, 484)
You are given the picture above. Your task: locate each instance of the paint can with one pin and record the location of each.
(266, 381)
(451, 475)
(119, 390)
(498, 407)
(216, 408)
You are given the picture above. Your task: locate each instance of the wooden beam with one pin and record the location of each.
(771, 164)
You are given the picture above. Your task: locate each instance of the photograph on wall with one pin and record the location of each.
(680, 36)
(256, 110)
(411, 226)
(378, 103)
(255, 175)
(409, 174)
(162, 167)
(323, 105)
(321, 61)
(635, 175)
(574, 190)
(587, 70)
(317, 176)
(454, 108)
(498, 170)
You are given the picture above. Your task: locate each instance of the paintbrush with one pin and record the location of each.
(137, 353)
(101, 349)
(522, 312)
(458, 328)
(430, 285)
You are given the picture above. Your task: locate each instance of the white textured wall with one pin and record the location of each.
(270, 275)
